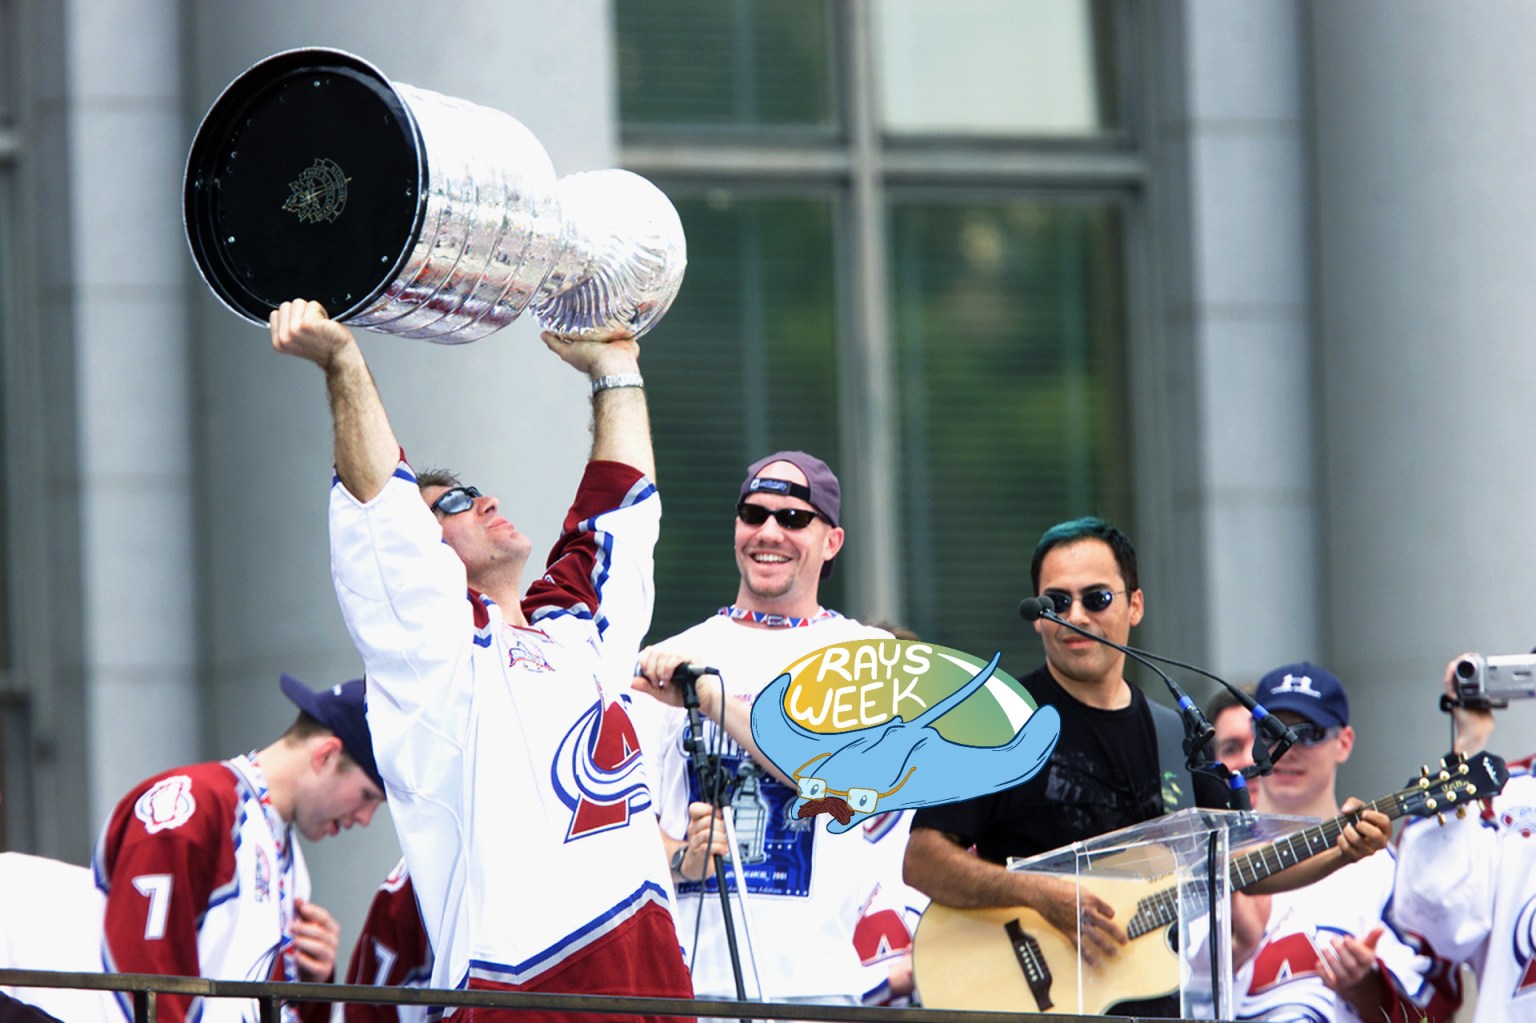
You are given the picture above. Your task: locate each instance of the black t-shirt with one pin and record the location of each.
(1102, 775)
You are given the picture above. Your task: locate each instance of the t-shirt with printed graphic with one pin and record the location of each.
(807, 888)
(1102, 775)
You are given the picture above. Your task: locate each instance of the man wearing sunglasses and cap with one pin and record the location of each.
(1117, 763)
(513, 770)
(201, 867)
(806, 887)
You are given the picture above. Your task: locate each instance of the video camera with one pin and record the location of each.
(1488, 682)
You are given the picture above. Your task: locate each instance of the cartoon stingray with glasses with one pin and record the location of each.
(897, 764)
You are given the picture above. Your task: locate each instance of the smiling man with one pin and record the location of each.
(807, 888)
(202, 873)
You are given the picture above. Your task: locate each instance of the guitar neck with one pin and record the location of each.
(1253, 866)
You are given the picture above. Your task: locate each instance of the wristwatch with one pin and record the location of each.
(677, 861)
(613, 380)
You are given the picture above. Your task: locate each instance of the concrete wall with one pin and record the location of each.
(1425, 219)
(1233, 492)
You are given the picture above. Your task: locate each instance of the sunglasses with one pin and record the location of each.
(1093, 600)
(787, 518)
(455, 500)
(1309, 734)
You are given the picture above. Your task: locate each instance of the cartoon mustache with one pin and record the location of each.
(835, 805)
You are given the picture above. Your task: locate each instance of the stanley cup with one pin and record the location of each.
(413, 213)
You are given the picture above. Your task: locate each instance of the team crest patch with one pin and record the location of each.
(598, 772)
(167, 804)
(262, 886)
(521, 655)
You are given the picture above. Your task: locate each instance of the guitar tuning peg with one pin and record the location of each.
(1450, 795)
(1445, 775)
(1463, 768)
(1441, 818)
(1430, 805)
(1424, 771)
(1461, 813)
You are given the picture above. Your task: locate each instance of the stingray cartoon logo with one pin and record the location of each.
(869, 726)
(598, 773)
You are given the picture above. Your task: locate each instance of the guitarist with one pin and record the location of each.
(1324, 951)
(1105, 772)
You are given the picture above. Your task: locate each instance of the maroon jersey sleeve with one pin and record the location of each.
(167, 852)
(568, 581)
(393, 950)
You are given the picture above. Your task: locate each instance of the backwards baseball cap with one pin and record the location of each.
(339, 708)
(821, 491)
(1305, 689)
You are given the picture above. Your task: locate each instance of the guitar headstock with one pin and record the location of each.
(1461, 779)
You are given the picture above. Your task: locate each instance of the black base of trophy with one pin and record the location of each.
(306, 179)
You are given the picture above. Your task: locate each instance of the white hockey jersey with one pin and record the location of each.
(1466, 892)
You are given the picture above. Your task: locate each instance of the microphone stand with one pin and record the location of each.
(713, 788)
(1265, 723)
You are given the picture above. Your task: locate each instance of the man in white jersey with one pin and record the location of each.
(1324, 953)
(807, 888)
(1466, 891)
(512, 768)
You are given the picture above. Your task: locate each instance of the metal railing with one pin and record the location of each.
(269, 996)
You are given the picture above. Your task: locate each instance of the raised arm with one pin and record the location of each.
(621, 426)
(366, 449)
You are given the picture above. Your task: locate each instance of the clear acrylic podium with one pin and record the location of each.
(1170, 881)
(1159, 878)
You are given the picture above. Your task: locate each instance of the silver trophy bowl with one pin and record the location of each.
(413, 213)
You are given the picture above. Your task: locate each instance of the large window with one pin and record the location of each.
(907, 260)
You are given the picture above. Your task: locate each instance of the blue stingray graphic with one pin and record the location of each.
(897, 764)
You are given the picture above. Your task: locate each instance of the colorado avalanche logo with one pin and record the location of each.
(1525, 950)
(166, 804)
(597, 771)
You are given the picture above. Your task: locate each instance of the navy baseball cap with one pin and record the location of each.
(1305, 689)
(341, 709)
(821, 491)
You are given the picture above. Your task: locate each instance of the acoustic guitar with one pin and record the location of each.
(1012, 960)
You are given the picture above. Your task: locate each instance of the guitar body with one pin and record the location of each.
(987, 959)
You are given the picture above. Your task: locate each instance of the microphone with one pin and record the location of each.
(1265, 723)
(1198, 732)
(1031, 608)
(692, 672)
